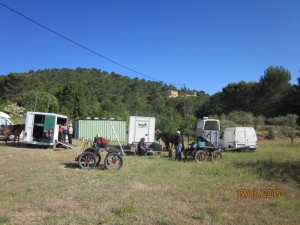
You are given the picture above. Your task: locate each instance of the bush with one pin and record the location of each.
(271, 134)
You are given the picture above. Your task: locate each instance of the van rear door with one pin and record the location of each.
(29, 127)
(240, 137)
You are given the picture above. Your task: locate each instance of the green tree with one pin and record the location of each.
(273, 87)
(239, 97)
(38, 101)
(243, 118)
(14, 110)
(12, 86)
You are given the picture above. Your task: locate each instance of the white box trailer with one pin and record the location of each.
(43, 128)
(139, 127)
(240, 138)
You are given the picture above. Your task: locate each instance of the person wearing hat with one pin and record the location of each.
(70, 134)
(142, 147)
(179, 145)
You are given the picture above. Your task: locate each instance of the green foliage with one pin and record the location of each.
(290, 132)
(90, 92)
(273, 87)
(271, 134)
(38, 101)
(242, 118)
(14, 110)
(288, 120)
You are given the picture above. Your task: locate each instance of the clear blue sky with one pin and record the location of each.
(203, 44)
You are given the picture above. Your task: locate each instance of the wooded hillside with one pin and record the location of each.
(90, 92)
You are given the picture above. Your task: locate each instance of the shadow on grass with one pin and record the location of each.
(277, 171)
(76, 166)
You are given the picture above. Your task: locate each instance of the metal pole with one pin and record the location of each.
(113, 129)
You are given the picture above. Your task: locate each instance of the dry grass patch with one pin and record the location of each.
(40, 186)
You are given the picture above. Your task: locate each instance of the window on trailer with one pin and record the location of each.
(211, 125)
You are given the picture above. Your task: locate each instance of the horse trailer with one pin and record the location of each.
(42, 129)
(142, 127)
(209, 129)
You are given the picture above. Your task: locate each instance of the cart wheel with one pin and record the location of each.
(200, 156)
(87, 160)
(97, 154)
(216, 156)
(188, 154)
(113, 161)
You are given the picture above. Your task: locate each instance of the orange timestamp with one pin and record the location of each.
(258, 193)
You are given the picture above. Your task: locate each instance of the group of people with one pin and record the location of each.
(143, 149)
(65, 133)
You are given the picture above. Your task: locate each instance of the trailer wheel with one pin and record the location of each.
(87, 160)
(188, 154)
(216, 156)
(97, 154)
(200, 156)
(113, 161)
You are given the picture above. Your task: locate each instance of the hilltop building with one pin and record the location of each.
(170, 94)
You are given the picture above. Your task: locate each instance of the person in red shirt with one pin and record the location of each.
(100, 142)
(60, 132)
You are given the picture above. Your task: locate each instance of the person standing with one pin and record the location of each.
(179, 145)
(65, 132)
(70, 134)
(60, 136)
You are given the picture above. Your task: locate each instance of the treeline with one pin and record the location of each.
(94, 93)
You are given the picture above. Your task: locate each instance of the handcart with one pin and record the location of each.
(91, 157)
(201, 151)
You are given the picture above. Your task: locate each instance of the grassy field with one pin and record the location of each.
(39, 186)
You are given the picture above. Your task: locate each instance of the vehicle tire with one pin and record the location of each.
(188, 154)
(216, 156)
(113, 161)
(97, 154)
(87, 160)
(200, 156)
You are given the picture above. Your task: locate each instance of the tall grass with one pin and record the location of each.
(46, 187)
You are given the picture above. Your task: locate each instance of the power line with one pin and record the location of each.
(82, 46)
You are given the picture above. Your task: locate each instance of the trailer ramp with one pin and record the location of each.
(68, 145)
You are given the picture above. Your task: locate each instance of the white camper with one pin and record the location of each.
(43, 128)
(239, 137)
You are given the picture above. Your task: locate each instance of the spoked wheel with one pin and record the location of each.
(188, 154)
(97, 154)
(200, 156)
(216, 156)
(113, 161)
(87, 160)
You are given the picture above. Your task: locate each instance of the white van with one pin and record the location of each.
(4, 119)
(239, 137)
